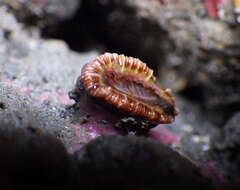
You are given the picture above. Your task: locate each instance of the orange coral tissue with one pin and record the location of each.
(127, 84)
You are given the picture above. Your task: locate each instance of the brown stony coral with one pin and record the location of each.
(126, 83)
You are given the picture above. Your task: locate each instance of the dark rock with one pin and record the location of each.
(227, 144)
(135, 125)
(43, 12)
(134, 163)
(31, 159)
(118, 26)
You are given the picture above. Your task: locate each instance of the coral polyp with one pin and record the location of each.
(126, 83)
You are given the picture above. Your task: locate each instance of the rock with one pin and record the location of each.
(132, 162)
(227, 144)
(21, 112)
(102, 22)
(31, 159)
(35, 77)
(43, 12)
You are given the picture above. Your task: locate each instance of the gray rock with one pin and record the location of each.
(35, 77)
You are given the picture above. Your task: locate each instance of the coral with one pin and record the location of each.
(128, 84)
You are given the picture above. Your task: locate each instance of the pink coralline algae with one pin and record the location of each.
(212, 7)
(25, 90)
(164, 135)
(99, 122)
(40, 3)
(60, 97)
(208, 169)
(63, 98)
(88, 131)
